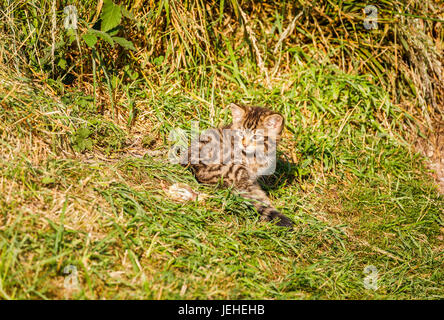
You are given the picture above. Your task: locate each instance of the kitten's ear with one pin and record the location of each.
(274, 122)
(237, 112)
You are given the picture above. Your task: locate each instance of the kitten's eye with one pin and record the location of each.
(257, 137)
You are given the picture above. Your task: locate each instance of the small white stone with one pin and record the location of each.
(182, 192)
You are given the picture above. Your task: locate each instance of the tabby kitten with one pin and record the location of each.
(238, 154)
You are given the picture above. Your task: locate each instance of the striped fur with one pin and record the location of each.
(252, 128)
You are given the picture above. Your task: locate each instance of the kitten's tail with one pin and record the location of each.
(268, 213)
(264, 207)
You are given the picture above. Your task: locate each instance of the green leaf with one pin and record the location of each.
(71, 36)
(48, 180)
(62, 64)
(111, 15)
(70, 32)
(90, 39)
(127, 14)
(158, 60)
(83, 133)
(88, 144)
(124, 43)
(114, 32)
(105, 36)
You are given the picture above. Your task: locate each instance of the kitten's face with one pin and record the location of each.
(250, 140)
(255, 126)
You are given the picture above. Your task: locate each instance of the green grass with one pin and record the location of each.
(74, 192)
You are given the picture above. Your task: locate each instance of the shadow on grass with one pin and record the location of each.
(286, 173)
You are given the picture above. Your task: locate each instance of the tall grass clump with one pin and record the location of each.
(197, 42)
